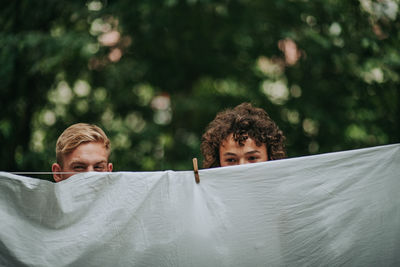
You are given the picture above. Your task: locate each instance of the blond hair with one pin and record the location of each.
(77, 134)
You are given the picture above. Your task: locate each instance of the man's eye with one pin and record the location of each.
(252, 158)
(99, 168)
(79, 168)
(230, 160)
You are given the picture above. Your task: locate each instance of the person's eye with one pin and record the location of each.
(230, 160)
(252, 158)
(99, 167)
(79, 168)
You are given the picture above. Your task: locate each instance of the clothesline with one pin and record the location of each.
(27, 173)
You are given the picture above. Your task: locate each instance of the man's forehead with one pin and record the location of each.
(88, 152)
(78, 161)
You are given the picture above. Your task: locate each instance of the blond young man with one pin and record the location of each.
(81, 148)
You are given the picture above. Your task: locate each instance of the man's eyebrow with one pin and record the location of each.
(253, 152)
(83, 163)
(77, 163)
(229, 154)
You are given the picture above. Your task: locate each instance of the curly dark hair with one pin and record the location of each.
(243, 121)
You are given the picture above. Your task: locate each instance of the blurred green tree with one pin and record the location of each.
(152, 74)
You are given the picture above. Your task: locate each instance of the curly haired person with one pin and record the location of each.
(244, 134)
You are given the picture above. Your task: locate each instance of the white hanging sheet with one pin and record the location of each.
(336, 209)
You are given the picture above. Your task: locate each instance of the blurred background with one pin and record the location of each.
(153, 74)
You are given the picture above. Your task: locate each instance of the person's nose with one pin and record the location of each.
(90, 169)
(243, 161)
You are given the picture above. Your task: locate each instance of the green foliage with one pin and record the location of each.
(153, 74)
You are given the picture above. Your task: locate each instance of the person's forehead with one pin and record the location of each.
(87, 161)
(230, 141)
(92, 151)
(90, 146)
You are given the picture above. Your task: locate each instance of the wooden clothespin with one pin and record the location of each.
(196, 171)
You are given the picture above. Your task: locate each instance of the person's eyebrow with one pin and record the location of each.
(99, 162)
(77, 163)
(83, 163)
(253, 152)
(229, 154)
